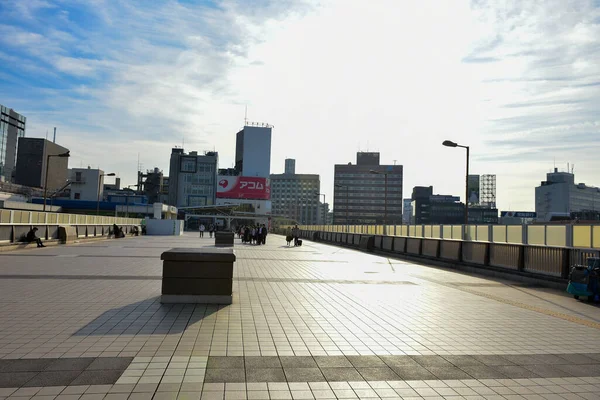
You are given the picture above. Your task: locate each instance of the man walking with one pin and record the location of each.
(202, 229)
(211, 229)
(264, 234)
(296, 234)
(31, 237)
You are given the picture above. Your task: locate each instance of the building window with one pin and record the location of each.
(77, 196)
(77, 178)
(188, 164)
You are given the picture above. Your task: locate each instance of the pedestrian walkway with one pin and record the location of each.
(311, 322)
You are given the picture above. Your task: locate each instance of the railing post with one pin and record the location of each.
(569, 238)
(11, 217)
(524, 234)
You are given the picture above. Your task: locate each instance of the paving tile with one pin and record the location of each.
(341, 374)
(378, 374)
(451, 372)
(365, 361)
(225, 363)
(578, 359)
(171, 396)
(545, 371)
(224, 375)
(412, 372)
(15, 379)
(53, 378)
(332, 362)
(393, 361)
(297, 362)
(303, 374)
(24, 365)
(110, 363)
(75, 389)
(262, 362)
(521, 360)
(462, 360)
(515, 372)
(265, 375)
(492, 360)
(51, 391)
(258, 395)
(482, 372)
(431, 361)
(579, 369)
(69, 364)
(97, 377)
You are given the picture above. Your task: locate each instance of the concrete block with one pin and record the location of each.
(197, 286)
(200, 254)
(191, 269)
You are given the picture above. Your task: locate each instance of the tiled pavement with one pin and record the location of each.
(314, 322)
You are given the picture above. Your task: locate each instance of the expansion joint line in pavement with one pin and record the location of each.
(541, 310)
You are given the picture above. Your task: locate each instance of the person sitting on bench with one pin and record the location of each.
(31, 237)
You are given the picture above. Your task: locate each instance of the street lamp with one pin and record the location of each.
(449, 143)
(385, 174)
(62, 155)
(347, 206)
(323, 211)
(99, 183)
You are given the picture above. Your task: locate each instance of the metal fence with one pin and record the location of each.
(577, 236)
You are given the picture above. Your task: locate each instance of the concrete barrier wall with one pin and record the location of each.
(356, 240)
(450, 250)
(474, 253)
(400, 244)
(545, 260)
(506, 255)
(430, 248)
(388, 243)
(413, 246)
(378, 242)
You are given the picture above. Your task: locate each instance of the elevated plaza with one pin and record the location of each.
(84, 321)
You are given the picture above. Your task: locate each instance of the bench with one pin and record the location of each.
(197, 276)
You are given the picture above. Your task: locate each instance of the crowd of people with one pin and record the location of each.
(254, 234)
(212, 228)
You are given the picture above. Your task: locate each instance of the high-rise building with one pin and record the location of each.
(406, 211)
(253, 151)
(32, 156)
(559, 194)
(295, 196)
(361, 195)
(193, 178)
(434, 209)
(290, 166)
(12, 127)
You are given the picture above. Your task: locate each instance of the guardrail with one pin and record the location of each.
(540, 260)
(15, 224)
(579, 236)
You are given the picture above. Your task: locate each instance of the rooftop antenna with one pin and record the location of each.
(395, 162)
(54, 139)
(246, 115)
(572, 168)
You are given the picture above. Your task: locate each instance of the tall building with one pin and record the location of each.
(12, 127)
(435, 209)
(360, 192)
(406, 211)
(253, 151)
(32, 156)
(86, 184)
(290, 166)
(192, 178)
(295, 196)
(559, 194)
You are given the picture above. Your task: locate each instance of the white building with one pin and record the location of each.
(85, 183)
(253, 151)
(559, 194)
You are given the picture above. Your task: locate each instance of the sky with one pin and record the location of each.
(517, 81)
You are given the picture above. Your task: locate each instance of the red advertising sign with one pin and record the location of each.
(243, 187)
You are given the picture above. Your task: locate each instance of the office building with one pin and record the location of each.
(406, 211)
(86, 183)
(560, 195)
(253, 151)
(32, 159)
(290, 166)
(296, 196)
(482, 215)
(435, 209)
(361, 195)
(192, 178)
(12, 127)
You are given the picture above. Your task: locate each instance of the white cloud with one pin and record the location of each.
(516, 81)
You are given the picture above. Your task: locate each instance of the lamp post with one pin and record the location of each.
(62, 155)
(385, 174)
(324, 201)
(449, 143)
(345, 186)
(99, 183)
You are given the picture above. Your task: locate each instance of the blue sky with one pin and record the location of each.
(517, 81)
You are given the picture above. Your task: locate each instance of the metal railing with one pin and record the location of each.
(18, 217)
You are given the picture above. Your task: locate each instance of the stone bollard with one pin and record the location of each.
(224, 239)
(199, 275)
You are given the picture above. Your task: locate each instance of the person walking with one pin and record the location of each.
(32, 237)
(264, 234)
(296, 234)
(202, 229)
(211, 229)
